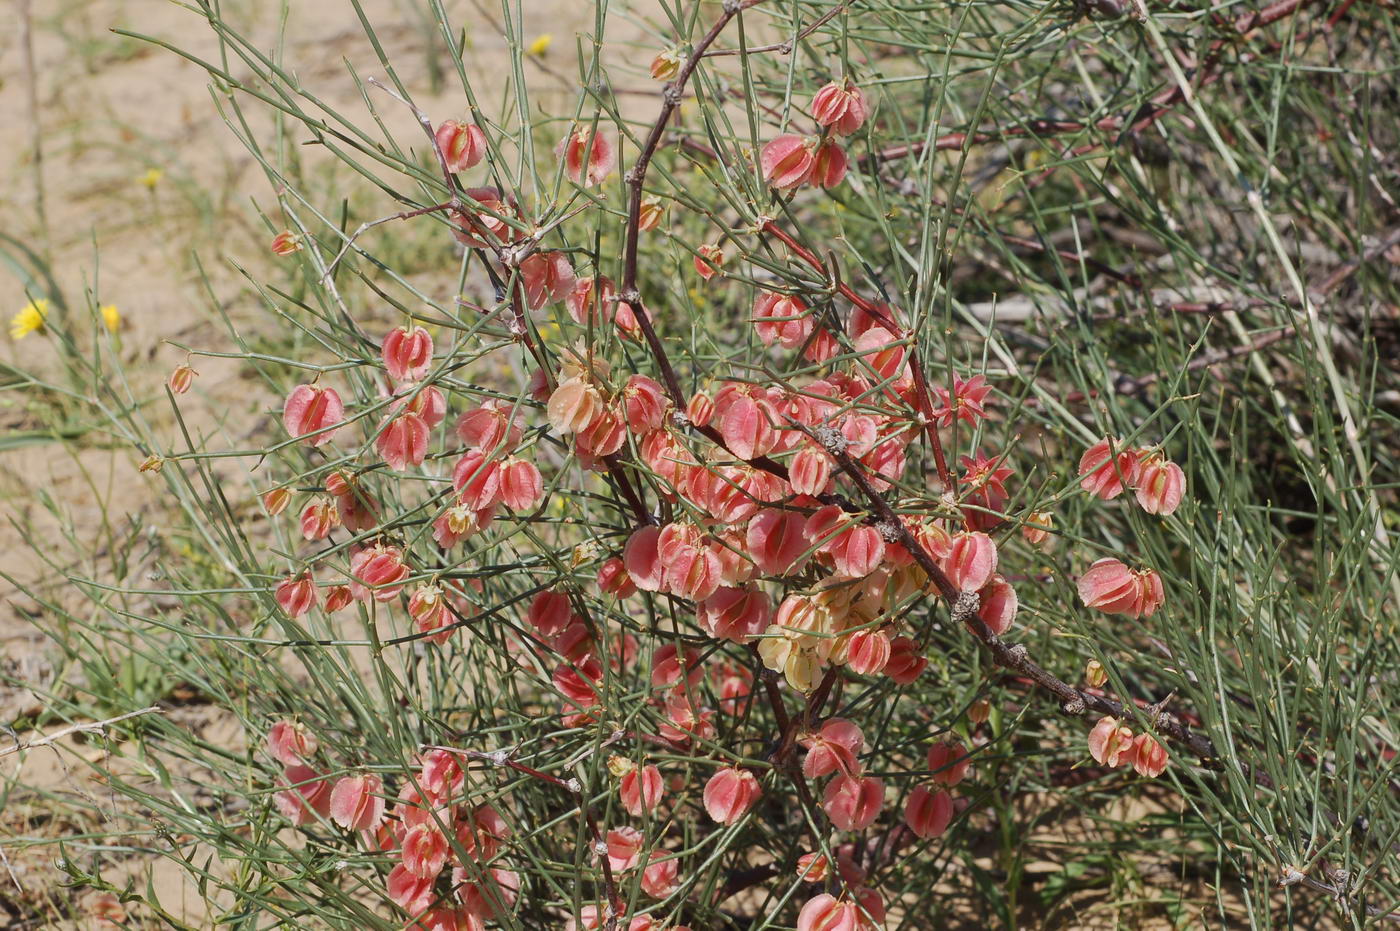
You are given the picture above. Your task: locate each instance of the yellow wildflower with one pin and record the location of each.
(151, 178)
(112, 317)
(540, 44)
(29, 320)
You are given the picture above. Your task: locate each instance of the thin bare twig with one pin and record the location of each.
(784, 47)
(366, 227)
(87, 728)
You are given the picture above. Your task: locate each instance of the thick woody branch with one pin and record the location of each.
(1014, 656)
(635, 179)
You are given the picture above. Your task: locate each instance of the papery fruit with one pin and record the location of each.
(549, 613)
(624, 848)
(484, 227)
(708, 260)
(1113, 588)
(971, 561)
(603, 435)
(810, 472)
(905, 664)
(286, 243)
(290, 742)
(318, 519)
(998, 605)
(700, 409)
(312, 414)
(357, 802)
(783, 319)
(692, 572)
(736, 614)
(730, 793)
(640, 790)
(642, 559)
(573, 405)
(546, 277)
(477, 480)
(840, 106)
(276, 501)
(521, 486)
(441, 776)
(380, 568)
(1103, 473)
(614, 580)
(867, 652)
(592, 299)
(829, 164)
(307, 795)
(430, 613)
(579, 682)
(871, 908)
(296, 595)
(827, 913)
(1160, 485)
(644, 402)
(338, 598)
(1036, 529)
(489, 426)
(589, 155)
(928, 812)
(948, 762)
(669, 664)
(832, 749)
(403, 441)
(1110, 743)
(424, 851)
(649, 214)
(462, 145)
(181, 379)
(661, 877)
(667, 64)
(853, 803)
(777, 541)
(1149, 757)
(786, 161)
(813, 867)
(407, 353)
(413, 894)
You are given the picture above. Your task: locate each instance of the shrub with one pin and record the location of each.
(753, 518)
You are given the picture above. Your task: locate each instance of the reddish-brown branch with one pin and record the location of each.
(636, 177)
(1011, 656)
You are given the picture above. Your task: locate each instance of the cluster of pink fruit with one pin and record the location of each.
(791, 160)
(415, 829)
